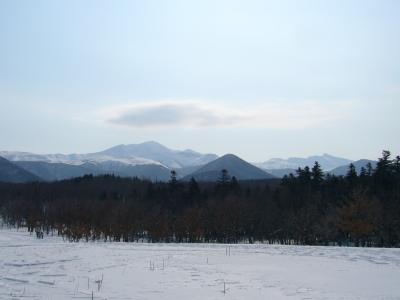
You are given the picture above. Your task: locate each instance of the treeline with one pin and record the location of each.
(307, 208)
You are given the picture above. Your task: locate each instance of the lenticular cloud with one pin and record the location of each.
(271, 115)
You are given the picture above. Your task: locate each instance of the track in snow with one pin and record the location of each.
(53, 269)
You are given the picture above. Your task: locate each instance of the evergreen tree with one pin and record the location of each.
(317, 173)
(234, 184)
(194, 189)
(396, 165)
(173, 181)
(351, 172)
(304, 175)
(363, 172)
(352, 176)
(125, 209)
(384, 163)
(224, 179)
(383, 172)
(370, 170)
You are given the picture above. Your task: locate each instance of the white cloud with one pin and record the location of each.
(194, 114)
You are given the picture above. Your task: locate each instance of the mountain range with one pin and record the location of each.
(135, 154)
(153, 161)
(327, 162)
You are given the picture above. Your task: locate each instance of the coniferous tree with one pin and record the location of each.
(352, 176)
(224, 179)
(383, 172)
(293, 210)
(369, 169)
(317, 173)
(304, 174)
(363, 172)
(234, 183)
(384, 162)
(351, 172)
(396, 165)
(173, 178)
(193, 187)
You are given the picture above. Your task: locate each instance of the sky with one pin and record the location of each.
(260, 79)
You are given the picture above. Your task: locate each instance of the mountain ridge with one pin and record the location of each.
(154, 161)
(133, 154)
(327, 162)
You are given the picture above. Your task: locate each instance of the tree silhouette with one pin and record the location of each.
(173, 178)
(305, 208)
(317, 173)
(224, 178)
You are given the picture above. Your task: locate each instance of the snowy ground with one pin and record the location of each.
(53, 269)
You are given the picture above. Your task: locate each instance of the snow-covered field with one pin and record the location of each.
(53, 269)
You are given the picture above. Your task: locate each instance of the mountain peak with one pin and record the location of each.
(158, 153)
(151, 143)
(235, 166)
(230, 156)
(147, 144)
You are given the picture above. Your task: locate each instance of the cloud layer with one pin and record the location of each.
(192, 114)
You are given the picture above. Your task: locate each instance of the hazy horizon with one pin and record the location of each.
(260, 79)
(191, 149)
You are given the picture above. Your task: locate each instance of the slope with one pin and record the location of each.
(10, 172)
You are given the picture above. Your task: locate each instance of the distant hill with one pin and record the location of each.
(151, 172)
(185, 171)
(59, 171)
(235, 166)
(280, 173)
(53, 171)
(339, 171)
(342, 170)
(327, 162)
(10, 172)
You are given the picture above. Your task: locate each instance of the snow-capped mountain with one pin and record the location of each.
(134, 154)
(74, 159)
(327, 162)
(147, 160)
(154, 161)
(159, 153)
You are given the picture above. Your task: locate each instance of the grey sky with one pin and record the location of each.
(257, 78)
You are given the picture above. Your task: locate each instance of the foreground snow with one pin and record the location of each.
(53, 269)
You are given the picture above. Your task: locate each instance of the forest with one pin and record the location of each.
(306, 208)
